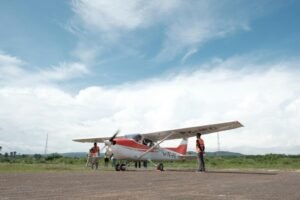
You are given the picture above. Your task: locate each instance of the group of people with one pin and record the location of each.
(137, 164)
(94, 154)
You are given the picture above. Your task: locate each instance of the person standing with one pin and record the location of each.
(200, 148)
(89, 160)
(137, 164)
(113, 160)
(106, 159)
(95, 156)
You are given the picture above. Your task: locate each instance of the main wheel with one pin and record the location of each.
(123, 167)
(160, 167)
(118, 167)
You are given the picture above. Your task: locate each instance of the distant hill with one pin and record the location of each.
(74, 154)
(223, 153)
(77, 154)
(217, 153)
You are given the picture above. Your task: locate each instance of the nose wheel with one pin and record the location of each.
(120, 167)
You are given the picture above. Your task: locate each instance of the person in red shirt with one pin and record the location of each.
(200, 147)
(95, 156)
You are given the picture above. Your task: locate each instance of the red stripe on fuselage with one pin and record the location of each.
(131, 143)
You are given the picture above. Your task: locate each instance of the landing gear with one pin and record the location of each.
(160, 167)
(120, 167)
(123, 167)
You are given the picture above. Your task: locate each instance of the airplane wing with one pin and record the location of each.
(176, 133)
(92, 140)
(191, 131)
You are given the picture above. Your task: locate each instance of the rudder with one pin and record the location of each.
(182, 148)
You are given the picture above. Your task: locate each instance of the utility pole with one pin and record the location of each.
(218, 142)
(46, 145)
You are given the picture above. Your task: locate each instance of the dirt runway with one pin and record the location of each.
(150, 185)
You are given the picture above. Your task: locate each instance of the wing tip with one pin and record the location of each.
(76, 140)
(240, 124)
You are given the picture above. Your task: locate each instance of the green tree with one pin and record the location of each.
(37, 156)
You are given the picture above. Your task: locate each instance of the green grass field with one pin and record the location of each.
(55, 162)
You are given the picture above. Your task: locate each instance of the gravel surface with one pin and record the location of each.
(150, 185)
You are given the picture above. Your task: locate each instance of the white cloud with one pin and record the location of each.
(121, 15)
(10, 67)
(188, 54)
(13, 71)
(184, 25)
(202, 21)
(265, 98)
(64, 71)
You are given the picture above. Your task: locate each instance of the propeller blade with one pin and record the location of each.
(114, 136)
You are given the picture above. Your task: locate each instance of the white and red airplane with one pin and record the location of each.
(145, 147)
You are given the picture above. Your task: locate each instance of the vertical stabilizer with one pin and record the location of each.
(182, 148)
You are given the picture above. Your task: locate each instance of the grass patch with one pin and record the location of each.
(56, 162)
(38, 167)
(270, 161)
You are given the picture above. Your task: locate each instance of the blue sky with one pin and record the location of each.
(37, 32)
(58, 57)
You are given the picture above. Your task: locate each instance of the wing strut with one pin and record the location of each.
(156, 144)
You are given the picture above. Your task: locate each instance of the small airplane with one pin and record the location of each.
(146, 147)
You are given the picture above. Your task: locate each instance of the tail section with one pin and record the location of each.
(182, 148)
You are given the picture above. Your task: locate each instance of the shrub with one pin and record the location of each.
(53, 156)
(37, 156)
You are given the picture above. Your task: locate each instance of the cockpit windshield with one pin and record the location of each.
(139, 138)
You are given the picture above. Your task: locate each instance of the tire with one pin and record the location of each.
(123, 167)
(118, 167)
(160, 167)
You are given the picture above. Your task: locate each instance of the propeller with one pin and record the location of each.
(111, 141)
(114, 136)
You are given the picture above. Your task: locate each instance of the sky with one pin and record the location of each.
(80, 69)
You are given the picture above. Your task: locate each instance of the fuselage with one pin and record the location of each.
(129, 149)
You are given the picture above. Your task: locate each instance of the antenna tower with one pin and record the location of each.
(46, 145)
(218, 142)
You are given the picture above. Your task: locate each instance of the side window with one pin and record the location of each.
(148, 142)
